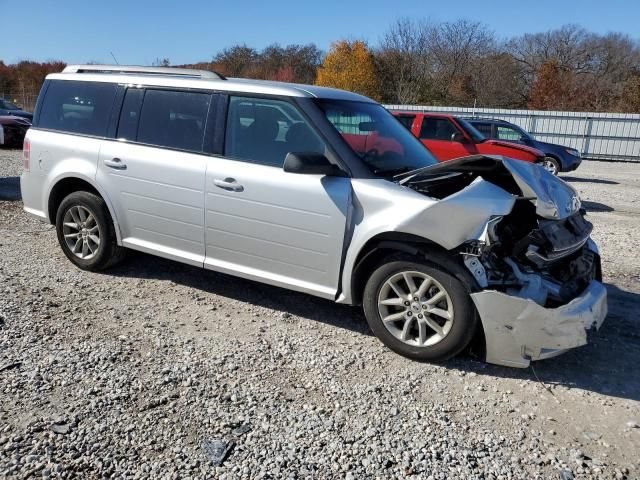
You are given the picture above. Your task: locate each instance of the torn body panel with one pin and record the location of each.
(381, 207)
(518, 330)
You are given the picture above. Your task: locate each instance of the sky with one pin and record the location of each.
(80, 31)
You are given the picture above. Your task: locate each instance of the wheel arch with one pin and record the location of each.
(383, 245)
(66, 185)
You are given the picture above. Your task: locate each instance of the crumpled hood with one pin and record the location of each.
(553, 197)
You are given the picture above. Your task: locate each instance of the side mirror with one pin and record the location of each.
(458, 137)
(524, 139)
(311, 163)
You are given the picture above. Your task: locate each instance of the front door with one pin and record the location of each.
(154, 172)
(266, 224)
(436, 132)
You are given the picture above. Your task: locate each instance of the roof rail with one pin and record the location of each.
(178, 72)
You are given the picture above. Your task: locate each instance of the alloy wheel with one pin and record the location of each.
(81, 232)
(415, 308)
(550, 166)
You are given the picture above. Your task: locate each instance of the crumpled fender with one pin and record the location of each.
(382, 207)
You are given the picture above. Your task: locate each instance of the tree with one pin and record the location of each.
(236, 61)
(630, 98)
(349, 65)
(551, 87)
(456, 49)
(403, 62)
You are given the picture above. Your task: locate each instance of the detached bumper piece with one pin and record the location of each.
(518, 330)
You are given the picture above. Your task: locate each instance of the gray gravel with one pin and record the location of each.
(160, 370)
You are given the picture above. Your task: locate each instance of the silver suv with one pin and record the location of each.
(316, 190)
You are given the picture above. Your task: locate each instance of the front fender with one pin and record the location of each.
(382, 207)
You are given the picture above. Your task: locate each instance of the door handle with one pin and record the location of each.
(115, 163)
(228, 184)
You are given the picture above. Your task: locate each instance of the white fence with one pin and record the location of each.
(598, 136)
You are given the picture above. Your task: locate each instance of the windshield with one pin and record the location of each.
(473, 132)
(377, 137)
(8, 105)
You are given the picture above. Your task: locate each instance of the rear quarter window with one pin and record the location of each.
(77, 107)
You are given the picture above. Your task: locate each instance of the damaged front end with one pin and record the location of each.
(537, 267)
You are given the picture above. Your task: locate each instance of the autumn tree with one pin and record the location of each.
(551, 87)
(349, 65)
(630, 98)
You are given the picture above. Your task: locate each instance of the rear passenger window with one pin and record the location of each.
(174, 119)
(77, 107)
(264, 131)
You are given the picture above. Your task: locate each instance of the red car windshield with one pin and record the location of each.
(380, 140)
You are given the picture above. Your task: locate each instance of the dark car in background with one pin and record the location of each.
(558, 158)
(12, 130)
(8, 108)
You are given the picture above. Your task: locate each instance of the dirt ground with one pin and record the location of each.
(132, 371)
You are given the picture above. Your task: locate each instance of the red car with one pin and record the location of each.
(448, 137)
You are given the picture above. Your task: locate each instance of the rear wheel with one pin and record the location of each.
(86, 233)
(420, 311)
(551, 165)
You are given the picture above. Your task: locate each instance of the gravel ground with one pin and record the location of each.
(160, 370)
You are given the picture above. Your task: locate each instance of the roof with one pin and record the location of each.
(179, 77)
(419, 112)
(485, 119)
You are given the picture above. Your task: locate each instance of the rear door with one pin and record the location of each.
(264, 223)
(154, 172)
(436, 132)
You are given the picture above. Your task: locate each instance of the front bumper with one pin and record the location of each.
(518, 330)
(570, 163)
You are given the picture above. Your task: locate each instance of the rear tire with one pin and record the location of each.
(86, 233)
(431, 321)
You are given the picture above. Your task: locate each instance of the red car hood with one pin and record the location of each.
(515, 146)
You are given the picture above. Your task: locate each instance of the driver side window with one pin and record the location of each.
(508, 133)
(263, 131)
(437, 129)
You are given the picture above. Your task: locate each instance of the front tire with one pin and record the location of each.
(86, 233)
(419, 310)
(551, 165)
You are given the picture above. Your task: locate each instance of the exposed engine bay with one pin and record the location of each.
(541, 250)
